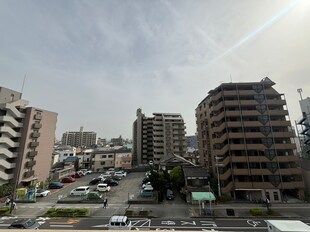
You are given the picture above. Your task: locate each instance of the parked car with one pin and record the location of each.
(94, 196)
(111, 182)
(147, 192)
(29, 224)
(103, 187)
(105, 175)
(42, 192)
(68, 180)
(117, 178)
(148, 184)
(145, 180)
(55, 185)
(120, 174)
(82, 190)
(76, 175)
(95, 181)
(169, 194)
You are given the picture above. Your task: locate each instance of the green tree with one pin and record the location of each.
(6, 190)
(177, 177)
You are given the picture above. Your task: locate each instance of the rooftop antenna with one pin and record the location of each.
(300, 91)
(23, 85)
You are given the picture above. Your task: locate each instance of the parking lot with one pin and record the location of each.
(131, 184)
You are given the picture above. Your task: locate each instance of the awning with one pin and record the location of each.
(203, 196)
(29, 179)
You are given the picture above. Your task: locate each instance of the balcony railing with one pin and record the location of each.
(32, 154)
(35, 135)
(30, 164)
(34, 144)
(28, 174)
(37, 125)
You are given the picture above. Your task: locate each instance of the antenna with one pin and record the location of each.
(23, 85)
(230, 79)
(300, 91)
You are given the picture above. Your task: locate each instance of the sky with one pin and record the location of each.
(96, 62)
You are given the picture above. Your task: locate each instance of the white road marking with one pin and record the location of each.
(61, 225)
(253, 223)
(188, 223)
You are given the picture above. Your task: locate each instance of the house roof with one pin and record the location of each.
(195, 171)
(71, 159)
(173, 159)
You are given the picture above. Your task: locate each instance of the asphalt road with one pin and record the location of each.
(153, 224)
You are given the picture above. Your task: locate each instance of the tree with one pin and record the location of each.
(177, 177)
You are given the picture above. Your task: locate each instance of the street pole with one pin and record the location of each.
(218, 176)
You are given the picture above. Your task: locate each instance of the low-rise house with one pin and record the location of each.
(197, 179)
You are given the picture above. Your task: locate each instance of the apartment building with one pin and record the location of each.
(27, 137)
(142, 149)
(64, 152)
(245, 139)
(79, 138)
(157, 136)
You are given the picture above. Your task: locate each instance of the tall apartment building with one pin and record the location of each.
(26, 140)
(244, 132)
(157, 136)
(79, 138)
(303, 127)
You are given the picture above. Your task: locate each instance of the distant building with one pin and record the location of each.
(192, 141)
(157, 136)
(27, 139)
(111, 157)
(64, 152)
(101, 142)
(79, 138)
(117, 141)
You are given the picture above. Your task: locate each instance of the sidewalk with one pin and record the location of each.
(169, 210)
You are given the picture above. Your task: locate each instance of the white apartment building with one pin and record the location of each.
(168, 135)
(79, 138)
(157, 136)
(64, 152)
(12, 113)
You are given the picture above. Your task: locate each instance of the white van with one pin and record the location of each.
(119, 223)
(82, 190)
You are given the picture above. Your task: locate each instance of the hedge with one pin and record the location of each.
(4, 210)
(67, 212)
(256, 212)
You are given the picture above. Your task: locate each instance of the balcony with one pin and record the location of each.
(36, 125)
(32, 154)
(37, 116)
(35, 135)
(30, 164)
(28, 174)
(34, 144)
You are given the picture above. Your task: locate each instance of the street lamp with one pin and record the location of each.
(218, 175)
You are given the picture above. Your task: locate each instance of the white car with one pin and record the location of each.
(147, 185)
(42, 193)
(82, 190)
(105, 175)
(120, 174)
(103, 187)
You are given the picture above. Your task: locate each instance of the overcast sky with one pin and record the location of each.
(96, 62)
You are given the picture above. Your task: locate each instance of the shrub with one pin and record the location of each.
(256, 212)
(270, 212)
(4, 210)
(67, 212)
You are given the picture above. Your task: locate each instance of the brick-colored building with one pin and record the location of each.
(244, 132)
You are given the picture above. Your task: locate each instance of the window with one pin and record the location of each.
(110, 156)
(104, 156)
(102, 162)
(275, 196)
